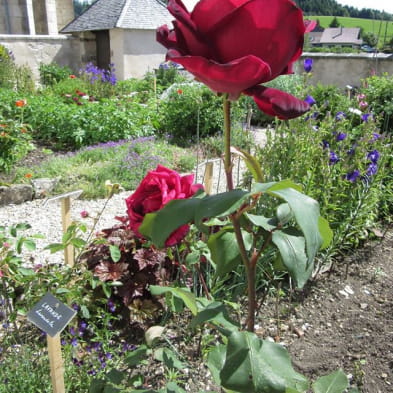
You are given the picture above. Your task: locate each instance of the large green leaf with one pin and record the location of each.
(216, 360)
(184, 294)
(268, 224)
(291, 245)
(325, 231)
(159, 225)
(224, 250)
(256, 366)
(216, 313)
(335, 382)
(306, 211)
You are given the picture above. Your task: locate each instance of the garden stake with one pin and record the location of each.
(208, 178)
(56, 363)
(65, 200)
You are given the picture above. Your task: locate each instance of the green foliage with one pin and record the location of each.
(370, 39)
(189, 108)
(51, 74)
(379, 95)
(334, 22)
(7, 69)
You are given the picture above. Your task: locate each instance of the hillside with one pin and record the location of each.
(382, 29)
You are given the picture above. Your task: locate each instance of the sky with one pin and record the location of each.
(381, 5)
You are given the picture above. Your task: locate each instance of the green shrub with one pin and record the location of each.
(187, 108)
(341, 166)
(52, 73)
(7, 68)
(379, 95)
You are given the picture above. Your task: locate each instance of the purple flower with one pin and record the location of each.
(375, 137)
(352, 176)
(373, 156)
(72, 331)
(365, 117)
(333, 158)
(75, 307)
(325, 144)
(310, 100)
(372, 169)
(341, 136)
(351, 151)
(111, 306)
(74, 342)
(307, 65)
(340, 116)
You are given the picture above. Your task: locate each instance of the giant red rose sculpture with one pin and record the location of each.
(155, 191)
(233, 46)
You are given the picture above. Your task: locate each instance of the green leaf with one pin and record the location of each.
(169, 358)
(251, 162)
(216, 313)
(306, 211)
(97, 386)
(136, 356)
(224, 251)
(115, 376)
(55, 247)
(111, 389)
(78, 242)
(172, 387)
(30, 244)
(115, 253)
(325, 231)
(26, 272)
(335, 382)
(284, 213)
(268, 224)
(216, 360)
(66, 237)
(184, 294)
(159, 225)
(256, 366)
(85, 312)
(291, 245)
(59, 291)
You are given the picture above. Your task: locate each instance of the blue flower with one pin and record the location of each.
(307, 65)
(375, 137)
(74, 342)
(325, 144)
(341, 136)
(340, 116)
(372, 169)
(373, 156)
(352, 176)
(365, 117)
(333, 158)
(310, 100)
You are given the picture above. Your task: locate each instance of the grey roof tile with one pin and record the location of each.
(124, 14)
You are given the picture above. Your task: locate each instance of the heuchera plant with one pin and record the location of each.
(233, 46)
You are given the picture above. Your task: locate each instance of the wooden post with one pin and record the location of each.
(208, 178)
(66, 221)
(56, 363)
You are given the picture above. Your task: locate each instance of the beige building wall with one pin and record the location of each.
(135, 52)
(13, 17)
(346, 69)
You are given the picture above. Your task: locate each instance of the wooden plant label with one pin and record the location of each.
(50, 315)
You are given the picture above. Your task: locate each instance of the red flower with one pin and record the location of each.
(155, 191)
(20, 103)
(232, 46)
(72, 76)
(179, 91)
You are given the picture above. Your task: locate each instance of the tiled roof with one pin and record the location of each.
(124, 14)
(341, 35)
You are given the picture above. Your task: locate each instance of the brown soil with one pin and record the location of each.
(346, 320)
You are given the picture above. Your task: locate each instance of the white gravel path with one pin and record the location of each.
(45, 219)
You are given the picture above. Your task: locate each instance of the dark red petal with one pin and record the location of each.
(278, 103)
(232, 78)
(180, 12)
(166, 38)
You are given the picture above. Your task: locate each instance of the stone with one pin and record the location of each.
(16, 194)
(44, 186)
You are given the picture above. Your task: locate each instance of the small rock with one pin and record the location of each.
(15, 194)
(44, 186)
(363, 306)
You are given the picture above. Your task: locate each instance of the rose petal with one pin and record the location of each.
(309, 25)
(278, 103)
(232, 78)
(180, 12)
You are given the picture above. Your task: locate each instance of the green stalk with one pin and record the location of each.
(249, 265)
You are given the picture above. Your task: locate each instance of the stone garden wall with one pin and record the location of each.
(346, 69)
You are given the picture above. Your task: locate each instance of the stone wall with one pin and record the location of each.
(346, 69)
(13, 17)
(63, 49)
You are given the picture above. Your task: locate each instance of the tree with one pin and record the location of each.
(80, 6)
(370, 39)
(334, 22)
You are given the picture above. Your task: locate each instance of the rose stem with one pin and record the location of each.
(250, 267)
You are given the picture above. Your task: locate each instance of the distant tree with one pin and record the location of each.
(370, 39)
(334, 22)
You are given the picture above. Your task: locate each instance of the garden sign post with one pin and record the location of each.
(52, 316)
(65, 200)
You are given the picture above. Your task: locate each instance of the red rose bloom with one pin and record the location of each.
(155, 191)
(232, 46)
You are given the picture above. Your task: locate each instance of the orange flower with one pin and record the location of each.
(28, 175)
(72, 76)
(4, 134)
(21, 103)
